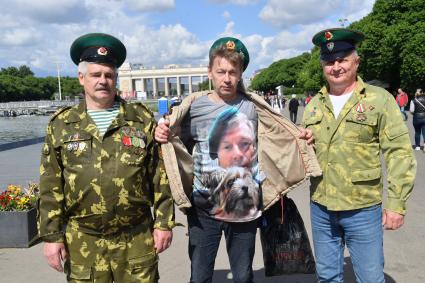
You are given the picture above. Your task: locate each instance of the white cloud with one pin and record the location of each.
(284, 14)
(236, 2)
(19, 37)
(291, 12)
(227, 16)
(47, 11)
(150, 5)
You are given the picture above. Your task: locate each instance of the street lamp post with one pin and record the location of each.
(59, 81)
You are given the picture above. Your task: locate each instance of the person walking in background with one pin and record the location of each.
(402, 100)
(105, 208)
(417, 108)
(293, 108)
(308, 98)
(353, 123)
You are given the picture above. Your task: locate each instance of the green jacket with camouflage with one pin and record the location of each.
(348, 148)
(102, 185)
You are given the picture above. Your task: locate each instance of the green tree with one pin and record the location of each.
(393, 51)
(283, 72)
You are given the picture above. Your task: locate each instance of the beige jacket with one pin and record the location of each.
(285, 160)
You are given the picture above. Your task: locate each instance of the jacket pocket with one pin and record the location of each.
(360, 128)
(78, 272)
(77, 149)
(395, 132)
(144, 268)
(365, 175)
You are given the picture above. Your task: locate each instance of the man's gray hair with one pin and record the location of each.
(82, 67)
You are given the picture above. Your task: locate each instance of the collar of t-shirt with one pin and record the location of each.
(338, 101)
(104, 117)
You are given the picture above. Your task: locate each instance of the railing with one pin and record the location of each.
(36, 104)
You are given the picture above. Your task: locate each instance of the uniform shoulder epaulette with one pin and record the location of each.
(59, 111)
(139, 103)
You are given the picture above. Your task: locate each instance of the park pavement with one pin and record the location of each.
(404, 248)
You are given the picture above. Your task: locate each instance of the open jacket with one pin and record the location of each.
(286, 160)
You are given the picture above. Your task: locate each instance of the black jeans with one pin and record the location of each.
(204, 239)
(293, 116)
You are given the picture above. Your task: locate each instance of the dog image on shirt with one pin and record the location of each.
(233, 192)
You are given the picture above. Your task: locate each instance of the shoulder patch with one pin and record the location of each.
(59, 111)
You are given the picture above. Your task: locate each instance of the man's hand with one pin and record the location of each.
(162, 132)
(55, 253)
(306, 134)
(162, 240)
(392, 220)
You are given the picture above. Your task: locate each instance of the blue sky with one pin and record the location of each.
(162, 32)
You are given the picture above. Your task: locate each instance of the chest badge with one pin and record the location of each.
(360, 108)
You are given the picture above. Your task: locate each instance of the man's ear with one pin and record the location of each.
(81, 78)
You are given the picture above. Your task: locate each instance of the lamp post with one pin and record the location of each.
(342, 22)
(59, 80)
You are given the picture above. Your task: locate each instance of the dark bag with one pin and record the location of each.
(284, 239)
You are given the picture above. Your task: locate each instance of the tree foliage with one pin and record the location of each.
(283, 72)
(393, 51)
(19, 84)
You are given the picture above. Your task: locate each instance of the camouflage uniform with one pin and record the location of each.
(348, 149)
(100, 190)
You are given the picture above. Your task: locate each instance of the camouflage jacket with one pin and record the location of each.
(285, 159)
(348, 149)
(101, 185)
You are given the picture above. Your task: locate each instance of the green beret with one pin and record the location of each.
(336, 42)
(233, 44)
(98, 48)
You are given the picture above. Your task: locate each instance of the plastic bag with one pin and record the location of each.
(284, 239)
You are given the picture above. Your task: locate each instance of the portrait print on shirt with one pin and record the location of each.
(230, 183)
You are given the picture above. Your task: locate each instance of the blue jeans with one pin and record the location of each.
(419, 125)
(204, 239)
(361, 230)
(403, 112)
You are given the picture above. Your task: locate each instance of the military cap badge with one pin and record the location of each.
(230, 45)
(102, 51)
(330, 46)
(328, 35)
(98, 48)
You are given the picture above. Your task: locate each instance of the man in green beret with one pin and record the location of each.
(353, 123)
(100, 174)
(219, 130)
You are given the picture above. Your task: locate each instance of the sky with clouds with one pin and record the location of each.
(161, 32)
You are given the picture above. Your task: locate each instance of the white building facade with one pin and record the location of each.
(172, 80)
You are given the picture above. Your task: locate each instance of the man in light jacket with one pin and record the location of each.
(260, 149)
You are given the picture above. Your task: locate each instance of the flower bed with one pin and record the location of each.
(18, 216)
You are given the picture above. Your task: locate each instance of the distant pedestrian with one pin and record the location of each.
(402, 100)
(293, 108)
(417, 108)
(307, 100)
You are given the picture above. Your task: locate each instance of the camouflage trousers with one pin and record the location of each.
(124, 257)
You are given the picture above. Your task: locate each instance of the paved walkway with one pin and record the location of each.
(404, 249)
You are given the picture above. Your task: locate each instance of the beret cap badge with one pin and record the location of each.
(230, 45)
(102, 51)
(328, 35)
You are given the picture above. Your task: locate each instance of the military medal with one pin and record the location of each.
(126, 140)
(360, 108)
(371, 107)
(81, 146)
